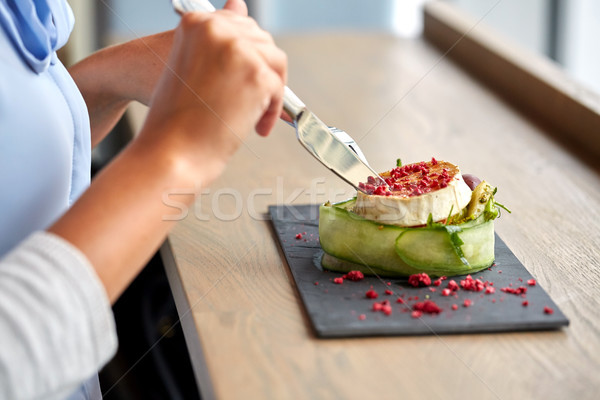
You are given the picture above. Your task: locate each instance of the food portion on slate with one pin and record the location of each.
(427, 218)
(502, 297)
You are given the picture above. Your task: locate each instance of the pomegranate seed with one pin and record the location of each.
(416, 314)
(355, 276)
(531, 282)
(362, 317)
(371, 294)
(339, 281)
(421, 279)
(446, 292)
(388, 292)
(454, 307)
(439, 280)
(525, 303)
(298, 236)
(427, 306)
(517, 291)
(548, 310)
(467, 303)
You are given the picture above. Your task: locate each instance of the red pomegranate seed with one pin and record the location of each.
(371, 294)
(490, 290)
(446, 292)
(416, 314)
(362, 317)
(531, 282)
(427, 306)
(474, 285)
(548, 310)
(439, 280)
(454, 307)
(400, 300)
(316, 283)
(525, 303)
(298, 236)
(339, 281)
(355, 276)
(467, 303)
(518, 291)
(377, 306)
(387, 309)
(452, 285)
(388, 292)
(421, 279)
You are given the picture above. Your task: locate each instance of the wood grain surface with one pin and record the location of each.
(245, 326)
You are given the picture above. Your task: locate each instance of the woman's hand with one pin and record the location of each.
(224, 77)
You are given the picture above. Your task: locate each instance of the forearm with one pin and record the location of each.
(113, 77)
(201, 112)
(118, 223)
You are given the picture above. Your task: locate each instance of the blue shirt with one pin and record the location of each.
(45, 148)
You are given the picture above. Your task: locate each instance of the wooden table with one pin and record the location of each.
(245, 326)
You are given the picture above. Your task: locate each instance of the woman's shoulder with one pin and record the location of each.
(36, 29)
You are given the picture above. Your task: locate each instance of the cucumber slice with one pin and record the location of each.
(350, 237)
(355, 243)
(432, 249)
(333, 263)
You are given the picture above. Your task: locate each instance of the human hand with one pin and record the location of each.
(224, 76)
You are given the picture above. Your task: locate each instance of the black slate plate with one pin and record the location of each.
(344, 311)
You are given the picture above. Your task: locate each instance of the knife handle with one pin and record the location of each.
(292, 105)
(183, 6)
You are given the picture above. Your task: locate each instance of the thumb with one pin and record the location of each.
(237, 6)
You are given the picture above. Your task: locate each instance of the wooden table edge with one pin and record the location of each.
(194, 346)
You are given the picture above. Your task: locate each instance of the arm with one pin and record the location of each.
(203, 106)
(56, 322)
(113, 77)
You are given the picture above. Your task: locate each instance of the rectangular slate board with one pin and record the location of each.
(342, 310)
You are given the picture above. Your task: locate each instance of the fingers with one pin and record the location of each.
(272, 112)
(224, 70)
(237, 6)
(250, 38)
(274, 81)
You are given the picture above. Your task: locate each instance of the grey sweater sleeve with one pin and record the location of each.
(56, 322)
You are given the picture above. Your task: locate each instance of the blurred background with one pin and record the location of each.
(152, 362)
(564, 30)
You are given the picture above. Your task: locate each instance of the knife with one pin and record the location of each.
(312, 133)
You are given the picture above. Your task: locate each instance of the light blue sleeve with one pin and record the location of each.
(45, 149)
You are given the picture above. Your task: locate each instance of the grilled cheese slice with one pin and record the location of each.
(417, 190)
